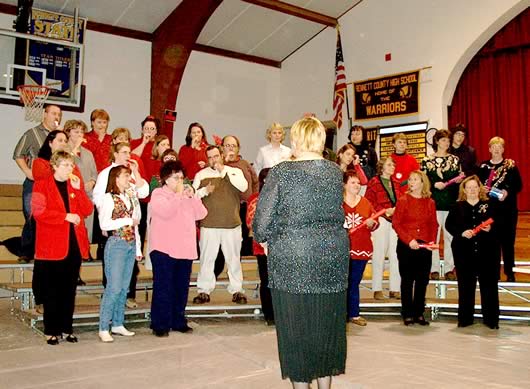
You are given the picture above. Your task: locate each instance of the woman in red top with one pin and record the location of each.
(161, 144)
(42, 170)
(348, 160)
(383, 191)
(55, 141)
(193, 153)
(259, 250)
(357, 220)
(143, 147)
(415, 223)
(59, 205)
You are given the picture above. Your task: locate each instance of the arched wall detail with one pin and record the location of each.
(472, 50)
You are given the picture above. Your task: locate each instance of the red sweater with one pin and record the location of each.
(52, 239)
(415, 219)
(361, 247)
(100, 150)
(190, 158)
(405, 163)
(252, 202)
(146, 154)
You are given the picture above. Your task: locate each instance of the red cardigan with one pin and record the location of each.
(415, 219)
(377, 195)
(52, 229)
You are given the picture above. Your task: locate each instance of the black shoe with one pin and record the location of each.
(24, 259)
(421, 321)
(71, 338)
(510, 278)
(493, 326)
(270, 322)
(184, 329)
(53, 341)
(462, 325)
(161, 333)
(80, 282)
(408, 321)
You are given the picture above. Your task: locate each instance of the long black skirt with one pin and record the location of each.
(311, 330)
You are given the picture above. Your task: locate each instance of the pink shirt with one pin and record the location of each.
(173, 218)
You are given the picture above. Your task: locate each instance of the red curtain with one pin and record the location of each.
(493, 97)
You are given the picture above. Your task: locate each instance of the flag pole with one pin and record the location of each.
(348, 109)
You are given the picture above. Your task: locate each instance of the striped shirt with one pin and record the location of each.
(30, 143)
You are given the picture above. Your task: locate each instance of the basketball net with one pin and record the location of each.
(33, 97)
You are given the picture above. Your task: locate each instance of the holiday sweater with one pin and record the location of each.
(361, 247)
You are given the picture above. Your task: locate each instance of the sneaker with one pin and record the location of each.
(434, 275)
(105, 336)
(131, 303)
(201, 298)
(121, 330)
(239, 298)
(450, 276)
(379, 295)
(395, 295)
(360, 321)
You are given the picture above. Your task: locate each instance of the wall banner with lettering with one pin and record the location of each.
(389, 96)
(55, 58)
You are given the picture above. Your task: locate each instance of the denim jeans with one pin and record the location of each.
(354, 279)
(28, 232)
(119, 260)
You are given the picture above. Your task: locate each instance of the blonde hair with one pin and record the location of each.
(398, 136)
(426, 184)
(121, 131)
(381, 163)
(59, 156)
(272, 127)
(496, 140)
(482, 191)
(71, 124)
(308, 134)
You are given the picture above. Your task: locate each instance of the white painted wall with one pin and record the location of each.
(228, 97)
(117, 75)
(419, 33)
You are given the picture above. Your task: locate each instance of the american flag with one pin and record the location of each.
(339, 90)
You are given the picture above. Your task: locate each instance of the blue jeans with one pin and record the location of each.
(354, 279)
(28, 232)
(171, 281)
(119, 260)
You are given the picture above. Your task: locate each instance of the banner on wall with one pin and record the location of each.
(55, 58)
(388, 96)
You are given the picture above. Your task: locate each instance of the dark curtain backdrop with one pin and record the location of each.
(493, 97)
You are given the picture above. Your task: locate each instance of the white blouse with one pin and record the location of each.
(108, 224)
(269, 156)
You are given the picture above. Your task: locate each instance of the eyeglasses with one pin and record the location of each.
(230, 146)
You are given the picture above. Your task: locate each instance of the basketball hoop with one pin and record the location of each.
(33, 97)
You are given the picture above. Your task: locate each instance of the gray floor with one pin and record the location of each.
(242, 353)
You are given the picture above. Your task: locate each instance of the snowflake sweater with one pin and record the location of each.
(361, 247)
